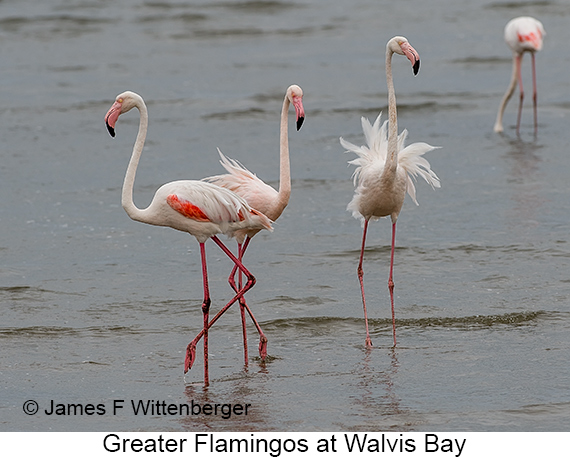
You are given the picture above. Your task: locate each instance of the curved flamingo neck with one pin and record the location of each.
(128, 184)
(510, 90)
(392, 156)
(284, 162)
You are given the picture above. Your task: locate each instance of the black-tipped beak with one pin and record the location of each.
(300, 122)
(416, 67)
(111, 130)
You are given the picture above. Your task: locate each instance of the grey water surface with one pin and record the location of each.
(96, 307)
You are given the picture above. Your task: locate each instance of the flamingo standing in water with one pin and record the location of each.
(199, 208)
(261, 196)
(385, 169)
(522, 34)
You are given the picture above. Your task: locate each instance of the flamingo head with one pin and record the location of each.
(295, 96)
(400, 45)
(123, 103)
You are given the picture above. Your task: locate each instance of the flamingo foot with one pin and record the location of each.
(263, 348)
(190, 357)
(368, 342)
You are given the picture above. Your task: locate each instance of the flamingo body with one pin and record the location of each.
(202, 210)
(524, 34)
(247, 185)
(379, 191)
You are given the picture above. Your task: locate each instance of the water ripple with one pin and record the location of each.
(475, 322)
(28, 293)
(40, 331)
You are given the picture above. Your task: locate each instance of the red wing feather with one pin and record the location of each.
(186, 208)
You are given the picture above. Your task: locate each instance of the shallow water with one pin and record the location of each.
(97, 308)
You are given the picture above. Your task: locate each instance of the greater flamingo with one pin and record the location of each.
(261, 196)
(202, 209)
(385, 169)
(522, 34)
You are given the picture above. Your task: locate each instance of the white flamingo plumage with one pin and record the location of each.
(201, 209)
(261, 196)
(522, 34)
(386, 169)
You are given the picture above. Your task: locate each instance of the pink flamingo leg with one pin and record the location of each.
(191, 349)
(534, 94)
(236, 288)
(242, 304)
(231, 278)
(244, 307)
(360, 272)
(205, 311)
(391, 281)
(521, 96)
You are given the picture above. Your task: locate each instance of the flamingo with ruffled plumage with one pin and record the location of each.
(385, 171)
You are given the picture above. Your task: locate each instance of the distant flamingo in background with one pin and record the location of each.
(385, 169)
(522, 34)
(202, 209)
(261, 196)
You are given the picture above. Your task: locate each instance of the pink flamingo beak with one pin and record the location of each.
(412, 56)
(112, 116)
(298, 104)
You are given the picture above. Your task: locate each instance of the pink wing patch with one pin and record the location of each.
(187, 209)
(531, 37)
(252, 211)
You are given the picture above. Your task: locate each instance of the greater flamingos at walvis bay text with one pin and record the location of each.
(199, 208)
(385, 170)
